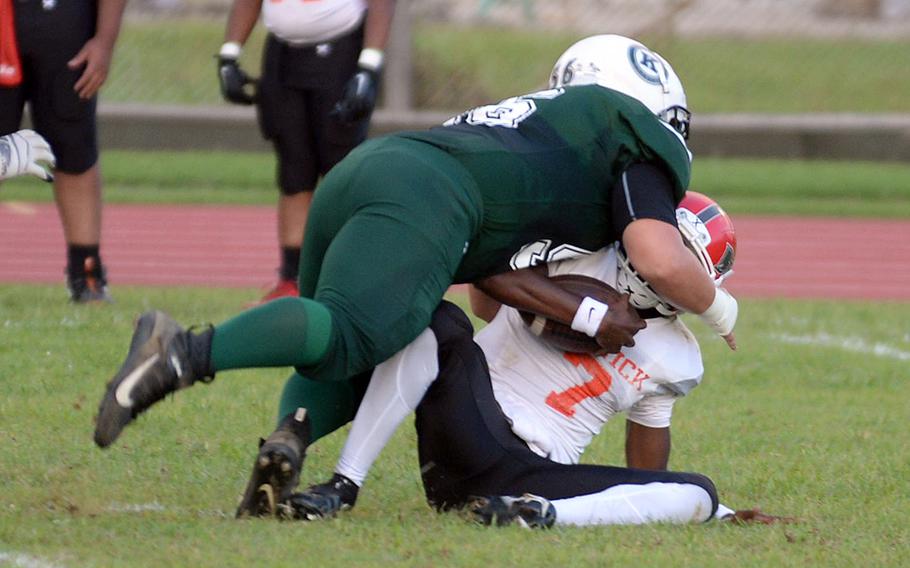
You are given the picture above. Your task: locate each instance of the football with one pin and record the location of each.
(561, 335)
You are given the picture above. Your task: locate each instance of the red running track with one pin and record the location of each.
(236, 247)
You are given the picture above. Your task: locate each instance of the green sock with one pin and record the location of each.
(330, 404)
(288, 332)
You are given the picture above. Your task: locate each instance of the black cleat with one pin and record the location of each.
(89, 285)
(528, 511)
(321, 501)
(158, 363)
(277, 468)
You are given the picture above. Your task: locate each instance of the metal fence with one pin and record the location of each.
(165, 55)
(870, 18)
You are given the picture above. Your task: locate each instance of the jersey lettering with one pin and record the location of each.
(507, 114)
(565, 401)
(542, 252)
(629, 370)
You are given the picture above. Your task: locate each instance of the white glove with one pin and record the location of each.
(25, 152)
(721, 314)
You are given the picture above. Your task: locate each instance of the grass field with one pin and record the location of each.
(808, 419)
(817, 431)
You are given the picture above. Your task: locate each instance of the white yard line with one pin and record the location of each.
(135, 507)
(25, 561)
(855, 344)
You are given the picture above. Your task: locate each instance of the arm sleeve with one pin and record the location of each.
(653, 411)
(643, 191)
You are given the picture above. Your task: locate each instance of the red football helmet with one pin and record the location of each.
(707, 231)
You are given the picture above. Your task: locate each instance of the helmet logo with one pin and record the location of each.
(647, 65)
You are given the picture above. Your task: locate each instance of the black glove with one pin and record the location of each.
(233, 82)
(359, 97)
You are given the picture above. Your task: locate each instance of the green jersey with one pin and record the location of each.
(545, 166)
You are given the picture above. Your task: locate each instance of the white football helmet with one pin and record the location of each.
(627, 66)
(706, 230)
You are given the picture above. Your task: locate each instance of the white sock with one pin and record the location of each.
(636, 504)
(396, 388)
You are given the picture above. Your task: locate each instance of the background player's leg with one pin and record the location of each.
(68, 123)
(293, 210)
(284, 118)
(78, 198)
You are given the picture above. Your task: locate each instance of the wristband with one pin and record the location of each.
(721, 314)
(230, 50)
(370, 58)
(589, 315)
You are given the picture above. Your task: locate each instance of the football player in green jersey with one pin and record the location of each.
(599, 157)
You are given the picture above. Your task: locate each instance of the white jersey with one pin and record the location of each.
(303, 22)
(557, 402)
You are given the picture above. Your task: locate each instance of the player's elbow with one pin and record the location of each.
(661, 270)
(483, 305)
(656, 250)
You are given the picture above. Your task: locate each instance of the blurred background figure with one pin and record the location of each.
(320, 75)
(56, 56)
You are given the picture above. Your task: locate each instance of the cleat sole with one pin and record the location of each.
(274, 479)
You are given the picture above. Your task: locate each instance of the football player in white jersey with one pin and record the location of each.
(507, 414)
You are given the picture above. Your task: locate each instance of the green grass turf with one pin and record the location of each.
(817, 431)
(741, 186)
(458, 67)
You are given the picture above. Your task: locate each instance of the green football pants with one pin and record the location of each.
(386, 232)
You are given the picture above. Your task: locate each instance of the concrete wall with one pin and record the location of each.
(834, 136)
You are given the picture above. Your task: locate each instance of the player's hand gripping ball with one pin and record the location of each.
(561, 335)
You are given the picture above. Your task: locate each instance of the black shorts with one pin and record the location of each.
(467, 448)
(47, 40)
(297, 90)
